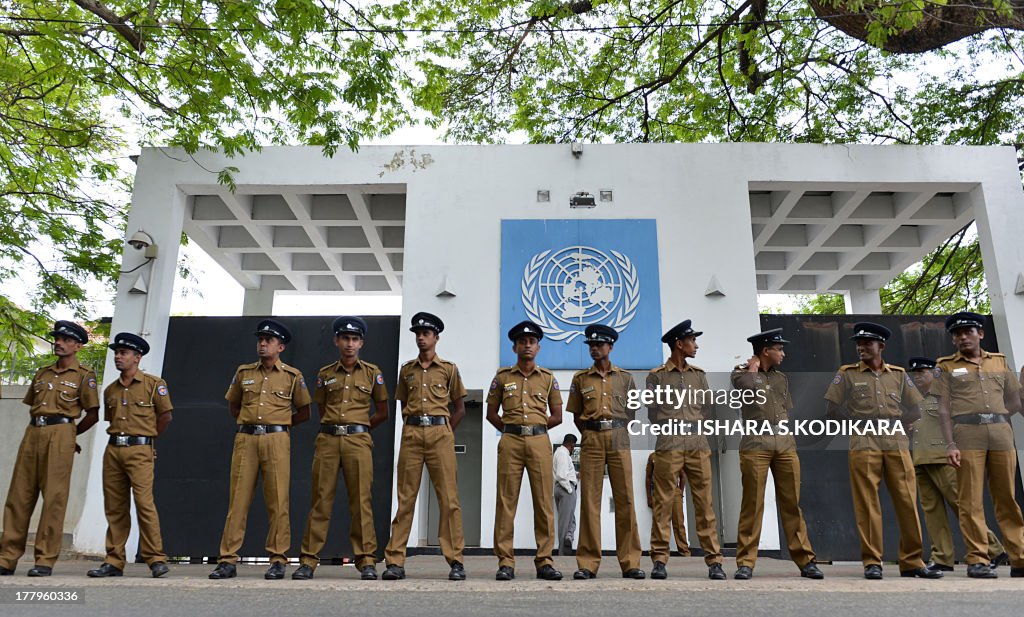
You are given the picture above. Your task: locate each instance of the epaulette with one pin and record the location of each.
(944, 358)
(288, 368)
(847, 367)
(695, 367)
(896, 368)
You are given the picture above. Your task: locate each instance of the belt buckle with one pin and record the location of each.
(259, 429)
(340, 430)
(423, 420)
(986, 418)
(605, 424)
(525, 430)
(39, 421)
(121, 440)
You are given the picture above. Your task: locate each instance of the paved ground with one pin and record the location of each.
(776, 588)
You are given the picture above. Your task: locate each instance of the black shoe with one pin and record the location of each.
(921, 573)
(812, 571)
(744, 573)
(634, 573)
(6, 571)
(549, 573)
(393, 573)
(457, 573)
(939, 567)
(224, 570)
(1016, 572)
(275, 572)
(873, 572)
(715, 572)
(368, 573)
(104, 571)
(303, 573)
(505, 573)
(158, 569)
(583, 574)
(658, 572)
(1002, 559)
(981, 570)
(40, 571)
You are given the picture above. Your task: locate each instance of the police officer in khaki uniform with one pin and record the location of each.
(138, 408)
(426, 385)
(345, 392)
(525, 392)
(59, 393)
(597, 400)
(688, 453)
(936, 479)
(760, 453)
(977, 394)
(678, 508)
(261, 398)
(869, 391)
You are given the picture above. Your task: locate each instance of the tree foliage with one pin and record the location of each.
(235, 75)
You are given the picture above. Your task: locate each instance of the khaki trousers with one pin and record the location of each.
(433, 446)
(515, 454)
(43, 466)
(936, 486)
(611, 448)
(128, 472)
(268, 455)
(352, 456)
(695, 462)
(988, 449)
(785, 468)
(867, 468)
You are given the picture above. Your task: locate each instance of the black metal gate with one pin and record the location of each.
(194, 455)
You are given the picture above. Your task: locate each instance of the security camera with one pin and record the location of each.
(140, 240)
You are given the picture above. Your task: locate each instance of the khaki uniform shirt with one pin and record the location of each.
(870, 396)
(928, 443)
(267, 397)
(695, 402)
(346, 398)
(62, 392)
(594, 397)
(975, 387)
(427, 391)
(133, 410)
(524, 399)
(773, 387)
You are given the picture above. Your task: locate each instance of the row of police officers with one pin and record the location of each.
(959, 405)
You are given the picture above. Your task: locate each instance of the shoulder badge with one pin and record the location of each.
(838, 379)
(161, 390)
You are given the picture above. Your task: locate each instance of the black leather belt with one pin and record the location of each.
(261, 429)
(129, 440)
(603, 425)
(525, 430)
(344, 429)
(49, 420)
(981, 418)
(426, 420)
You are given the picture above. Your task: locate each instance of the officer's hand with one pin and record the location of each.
(78, 449)
(953, 456)
(753, 364)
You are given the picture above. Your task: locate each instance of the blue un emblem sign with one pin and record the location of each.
(567, 274)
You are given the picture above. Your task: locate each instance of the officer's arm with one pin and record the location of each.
(493, 417)
(946, 422)
(380, 415)
(649, 485)
(459, 413)
(834, 411)
(556, 416)
(301, 415)
(92, 416)
(911, 415)
(162, 422)
(234, 408)
(1011, 395)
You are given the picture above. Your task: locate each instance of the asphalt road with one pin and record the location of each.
(776, 589)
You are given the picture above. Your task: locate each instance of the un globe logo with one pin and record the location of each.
(566, 290)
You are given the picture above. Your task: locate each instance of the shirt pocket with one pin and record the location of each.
(439, 392)
(335, 392)
(361, 395)
(250, 394)
(143, 409)
(511, 400)
(67, 400)
(592, 402)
